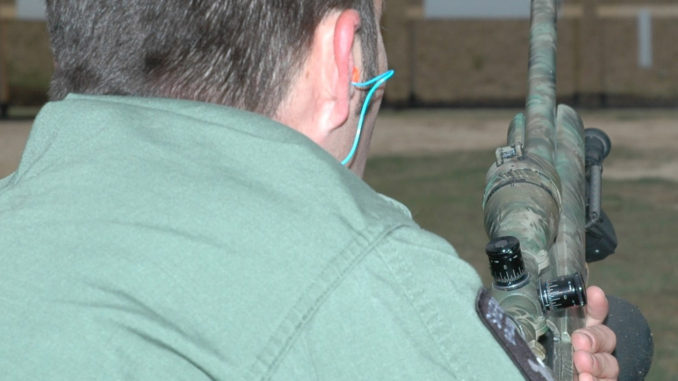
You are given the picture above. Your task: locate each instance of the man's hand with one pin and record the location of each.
(594, 344)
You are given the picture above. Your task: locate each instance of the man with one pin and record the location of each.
(180, 211)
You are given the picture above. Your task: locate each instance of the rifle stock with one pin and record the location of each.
(536, 192)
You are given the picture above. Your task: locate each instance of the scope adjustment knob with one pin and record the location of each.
(506, 263)
(563, 292)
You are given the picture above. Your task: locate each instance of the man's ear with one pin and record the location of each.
(319, 100)
(345, 36)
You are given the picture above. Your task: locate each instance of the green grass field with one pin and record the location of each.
(444, 194)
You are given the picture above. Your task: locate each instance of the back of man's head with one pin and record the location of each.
(241, 53)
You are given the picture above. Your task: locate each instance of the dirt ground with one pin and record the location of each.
(645, 142)
(13, 136)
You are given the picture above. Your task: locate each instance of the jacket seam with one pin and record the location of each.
(423, 305)
(329, 279)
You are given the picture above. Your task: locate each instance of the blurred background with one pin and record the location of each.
(612, 53)
(460, 77)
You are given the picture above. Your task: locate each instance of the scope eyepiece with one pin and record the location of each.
(598, 146)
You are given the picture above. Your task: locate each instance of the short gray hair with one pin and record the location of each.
(240, 53)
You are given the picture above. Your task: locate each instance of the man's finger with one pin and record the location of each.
(599, 365)
(597, 306)
(598, 338)
(588, 377)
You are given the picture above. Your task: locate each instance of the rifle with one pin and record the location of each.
(542, 209)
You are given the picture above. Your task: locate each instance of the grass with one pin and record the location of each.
(444, 194)
(23, 112)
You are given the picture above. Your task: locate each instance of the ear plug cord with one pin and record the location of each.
(375, 82)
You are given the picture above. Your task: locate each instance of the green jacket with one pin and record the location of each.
(156, 239)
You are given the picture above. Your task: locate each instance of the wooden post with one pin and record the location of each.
(397, 37)
(589, 70)
(4, 79)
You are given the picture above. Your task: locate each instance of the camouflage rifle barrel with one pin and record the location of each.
(540, 134)
(536, 192)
